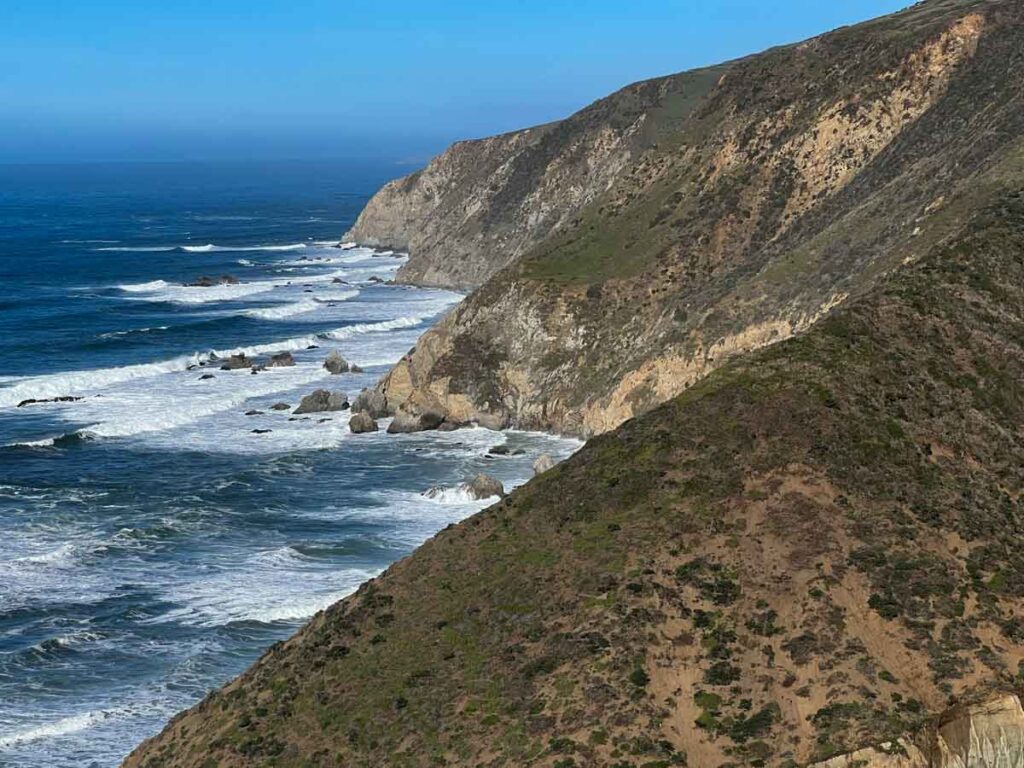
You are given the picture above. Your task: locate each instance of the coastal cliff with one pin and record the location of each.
(741, 204)
(482, 204)
(788, 306)
(815, 550)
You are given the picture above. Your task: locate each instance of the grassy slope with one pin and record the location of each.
(811, 550)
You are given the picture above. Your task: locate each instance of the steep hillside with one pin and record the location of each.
(816, 548)
(740, 205)
(484, 203)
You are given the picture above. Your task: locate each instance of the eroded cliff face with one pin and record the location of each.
(986, 734)
(729, 209)
(482, 204)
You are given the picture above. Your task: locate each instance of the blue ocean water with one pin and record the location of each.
(152, 544)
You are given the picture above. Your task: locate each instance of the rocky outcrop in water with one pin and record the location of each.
(322, 400)
(236, 363)
(208, 282)
(372, 402)
(280, 360)
(485, 487)
(362, 422)
(335, 363)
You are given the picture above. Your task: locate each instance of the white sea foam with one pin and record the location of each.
(276, 589)
(194, 294)
(329, 298)
(87, 381)
(152, 285)
(64, 727)
(460, 494)
(161, 290)
(76, 724)
(61, 384)
(282, 311)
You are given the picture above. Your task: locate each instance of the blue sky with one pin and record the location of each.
(201, 79)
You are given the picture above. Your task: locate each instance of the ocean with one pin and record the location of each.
(164, 527)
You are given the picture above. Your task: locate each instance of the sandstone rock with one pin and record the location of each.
(372, 402)
(493, 421)
(321, 400)
(362, 422)
(989, 734)
(236, 363)
(354, 369)
(484, 487)
(281, 360)
(335, 363)
(405, 421)
(280, 407)
(543, 463)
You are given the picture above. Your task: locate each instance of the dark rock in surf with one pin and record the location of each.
(280, 407)
(208, 282)
(280, 360)
(321, 400)
(236, 363)
(62, 399)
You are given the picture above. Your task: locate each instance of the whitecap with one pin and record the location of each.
(152, 285)
(460, 494)
(282, 311)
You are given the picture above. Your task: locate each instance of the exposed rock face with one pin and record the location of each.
(280, 407)
(280, 360)
(988, 734)
(406, 421)
(321, 400)
(543, 463)
(640, 244)
(335, 363)
(482, 204)
(372, 402)
(484, 487)
(362, 422)
(236, 363)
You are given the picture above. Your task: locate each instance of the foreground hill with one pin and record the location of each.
(817, 548)
(629, 250)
